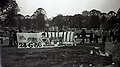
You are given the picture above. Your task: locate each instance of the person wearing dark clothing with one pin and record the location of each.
(11, 38)
(20, 31)
(109, 35)
(78, 35)
(96, 36)
(83, 33)
(103, 41)
(31, 32)
(1, 39)
(118, 36)
(15, 38)
(114, 35)
(91, 36)
(104, 37)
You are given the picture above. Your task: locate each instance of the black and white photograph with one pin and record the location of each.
(59, 33)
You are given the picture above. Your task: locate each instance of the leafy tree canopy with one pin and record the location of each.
(7, 7)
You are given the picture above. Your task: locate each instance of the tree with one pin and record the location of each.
(20, 22)
(112, 19)
(8, 8)
(118, 17)
(58, 21)
(95, 20)
(28, 22)
(103, 21)
(85, 13)
(86, 18)
(116, 54)
(77, 21)
(40, 18)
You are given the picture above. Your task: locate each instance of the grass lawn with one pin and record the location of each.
(50, 57)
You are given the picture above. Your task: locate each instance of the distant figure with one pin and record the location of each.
(109, 35)
(31, 32)
(15, 38)
(1, 39)
(118, 36)
(114, 35)
(11, 38)
(104, 36)
(83, 33)
(96, 36)
(91, 36)
(20, 31)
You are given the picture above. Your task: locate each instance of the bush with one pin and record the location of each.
(116, 53)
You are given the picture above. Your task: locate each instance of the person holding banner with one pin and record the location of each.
(44, 39)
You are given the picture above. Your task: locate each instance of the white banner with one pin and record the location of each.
(44, 39)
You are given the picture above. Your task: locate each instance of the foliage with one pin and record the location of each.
(58, 21)
(35, 22)
(95, 22)
(116, 53)
(112, 22)
(8, 9)
(85, 13)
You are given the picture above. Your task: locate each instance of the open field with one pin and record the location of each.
(51, 57)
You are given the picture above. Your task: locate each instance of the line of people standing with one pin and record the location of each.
(13, 37)
(111, 35)
(94, 35)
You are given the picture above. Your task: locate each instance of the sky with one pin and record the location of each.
(66, 7)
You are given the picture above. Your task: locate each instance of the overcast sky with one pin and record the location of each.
(66, 7)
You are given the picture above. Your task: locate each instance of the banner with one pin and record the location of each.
(44, 39)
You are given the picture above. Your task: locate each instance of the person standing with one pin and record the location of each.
(11, 38)
(1, 37)
(91, 36)
(83, 33)
(114, 36)
(109, 35)
(15, 38)
(118, 36)
(104, 36)
(96, 36)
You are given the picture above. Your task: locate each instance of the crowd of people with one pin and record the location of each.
(12, 36)
(111, 35)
